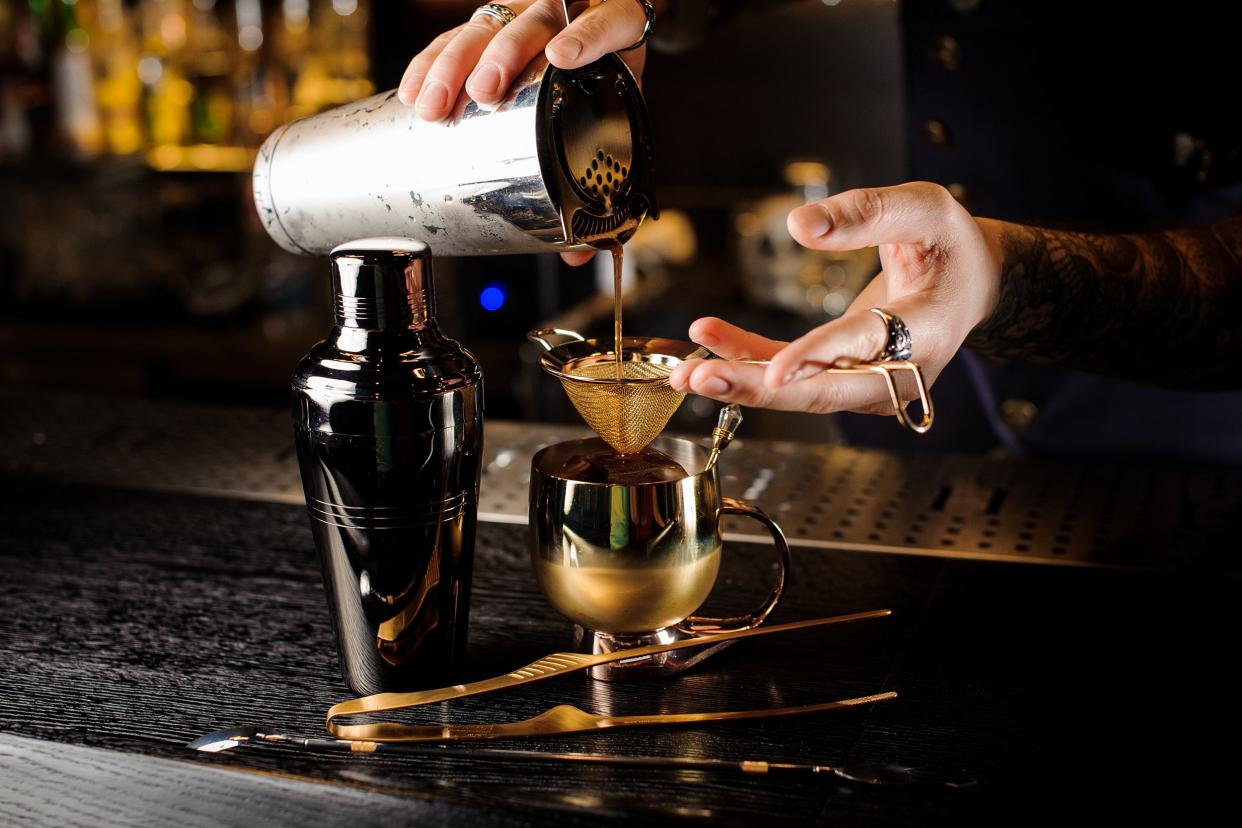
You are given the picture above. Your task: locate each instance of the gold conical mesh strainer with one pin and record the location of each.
(628, 413)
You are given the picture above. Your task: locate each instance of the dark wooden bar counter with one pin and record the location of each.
(132, 621)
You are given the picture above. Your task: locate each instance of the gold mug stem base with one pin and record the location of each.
(642, 667)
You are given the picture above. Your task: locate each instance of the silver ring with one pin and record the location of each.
(650, 12)
(899, 346)
(496, 11)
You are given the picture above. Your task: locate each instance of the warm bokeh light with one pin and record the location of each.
(142, 77)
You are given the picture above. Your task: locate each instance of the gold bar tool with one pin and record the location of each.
(566, 718)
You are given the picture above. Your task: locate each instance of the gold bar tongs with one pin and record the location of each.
(567, 718)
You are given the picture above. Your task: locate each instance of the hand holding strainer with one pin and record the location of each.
(630, 412)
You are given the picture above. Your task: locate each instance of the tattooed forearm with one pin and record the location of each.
(1163, 307)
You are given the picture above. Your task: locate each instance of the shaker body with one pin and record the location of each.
(389, 431)
(508, 180)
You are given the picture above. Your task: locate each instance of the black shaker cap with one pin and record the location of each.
(383, 283)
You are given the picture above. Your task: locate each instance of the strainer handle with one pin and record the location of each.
(887, 369)
(703, 624)
(550, 338)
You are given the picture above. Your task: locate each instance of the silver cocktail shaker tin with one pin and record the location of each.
(563, 161)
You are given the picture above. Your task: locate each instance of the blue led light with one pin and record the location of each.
(492, 297)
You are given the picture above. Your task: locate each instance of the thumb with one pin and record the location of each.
(600, 29)
(905, 214)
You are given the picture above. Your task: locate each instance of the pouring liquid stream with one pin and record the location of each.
(618, 259)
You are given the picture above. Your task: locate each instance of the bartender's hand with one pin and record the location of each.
(484, 56)
(941, 275)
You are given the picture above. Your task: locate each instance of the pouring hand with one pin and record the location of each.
(484, 56)
(941, 275)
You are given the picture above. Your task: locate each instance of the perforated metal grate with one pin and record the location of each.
(1100, 514)
(824, 496)
(166, 446)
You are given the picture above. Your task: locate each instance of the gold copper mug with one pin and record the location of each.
(628, 547)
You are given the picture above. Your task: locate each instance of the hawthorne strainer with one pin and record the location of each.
(629, 413)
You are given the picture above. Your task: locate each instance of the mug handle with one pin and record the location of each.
(703, 624)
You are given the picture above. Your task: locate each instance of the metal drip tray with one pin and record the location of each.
(827, 497)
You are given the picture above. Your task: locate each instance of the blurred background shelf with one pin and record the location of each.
(131, 259)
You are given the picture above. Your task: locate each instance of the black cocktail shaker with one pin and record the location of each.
(388, 419)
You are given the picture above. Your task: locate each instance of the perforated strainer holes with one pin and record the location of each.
(592, 180)
(605, 177)
(627, 415)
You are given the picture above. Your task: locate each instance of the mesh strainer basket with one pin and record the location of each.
(630, 413)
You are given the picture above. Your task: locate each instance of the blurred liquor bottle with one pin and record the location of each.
(194, 84)
(118, 89)
(46, 89)
(207, 62)
(249, 87)
(336, 67)
(21, 57)
(166, 93)
(73, 85)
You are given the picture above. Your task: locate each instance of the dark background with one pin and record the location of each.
(115, 276)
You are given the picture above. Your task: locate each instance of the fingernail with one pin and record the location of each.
(404, 93)
(814, 222)
(715, 387)
(567, 47)
(485, 80)
(433, 98)
(799, 373)
(707, 340)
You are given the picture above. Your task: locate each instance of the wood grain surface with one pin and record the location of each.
(71, 785)
(131, 623)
